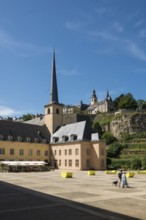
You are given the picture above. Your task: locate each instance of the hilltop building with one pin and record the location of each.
(102, 106)
(62, 145)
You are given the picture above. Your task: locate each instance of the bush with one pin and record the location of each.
(114, 150)
(109, 138)
(144, 163)
(120, 163)
(136, 164)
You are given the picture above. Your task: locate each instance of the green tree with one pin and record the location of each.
(136, 164)
(125, 136)
(126, 101)
(97, 127)
(144, 163)
(114, 150)
(27, 117)
(108, 137)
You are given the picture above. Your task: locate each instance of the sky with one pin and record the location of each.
(99, 44)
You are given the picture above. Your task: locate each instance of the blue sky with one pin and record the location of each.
(99, 44)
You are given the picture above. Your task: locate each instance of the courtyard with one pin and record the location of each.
(48, 195)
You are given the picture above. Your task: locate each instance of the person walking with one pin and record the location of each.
(124, 182)
(120, 177)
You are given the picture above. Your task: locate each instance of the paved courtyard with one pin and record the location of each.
(47, 195)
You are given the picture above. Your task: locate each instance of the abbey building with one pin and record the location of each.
(64, 145)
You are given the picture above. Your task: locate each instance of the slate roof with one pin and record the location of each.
(79, 129)
(19, 129)
(36, 121)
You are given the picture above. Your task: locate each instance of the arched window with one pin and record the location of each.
(48, 110)
(57, 111)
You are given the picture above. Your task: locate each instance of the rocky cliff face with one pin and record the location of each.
(128, 122)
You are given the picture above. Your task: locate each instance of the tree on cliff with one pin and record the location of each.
(125, 101)
(27, 117)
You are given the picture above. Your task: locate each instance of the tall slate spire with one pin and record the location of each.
(54, 89)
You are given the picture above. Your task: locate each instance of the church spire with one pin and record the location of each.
(54, 89)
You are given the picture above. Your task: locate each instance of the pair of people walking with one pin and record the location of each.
(122, 179)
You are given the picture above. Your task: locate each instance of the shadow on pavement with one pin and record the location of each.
(19, 203)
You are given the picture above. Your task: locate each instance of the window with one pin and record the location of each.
(36, 140)
(64, 138)
(57, 111)
(55, 152)
(76, 163)
(1, 137)
(59, 163)
(44, 141)
(30, 152)
(21, 152)
(28, 139)
(70, 163)
(10, 138)
(65, 163)
(76, 151)
(55, 139)
(59, 152)
(70, 151)
(65, 152)
(11, 151)
(38, 152)
(73, 137)
(48, 110)
(2, 151)
(46, 152)
(19, 138)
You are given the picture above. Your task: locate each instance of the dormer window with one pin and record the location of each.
(73, 137)
(64, 138)
(36, 140)
(1, 137)
(28, 139)
(19, 138)
(55, 139)
(10, 138)
(44, 141)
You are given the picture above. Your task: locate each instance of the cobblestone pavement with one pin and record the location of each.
(41, 195)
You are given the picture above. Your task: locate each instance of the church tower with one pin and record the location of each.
(53, 110)
(93, 98)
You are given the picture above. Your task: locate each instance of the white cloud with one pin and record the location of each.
(105, 35)
(138, 23)
(73, 72)
(118, 27)
(18, 47)
(136, 51)
(104, 51)
(142, 33)
(74, 25)
(6, 111)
